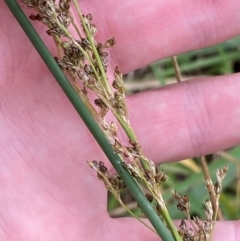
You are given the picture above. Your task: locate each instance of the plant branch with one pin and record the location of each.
(207, 177)
(105, 80)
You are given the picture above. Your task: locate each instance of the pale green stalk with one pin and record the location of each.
(171, 226)
(89, 36)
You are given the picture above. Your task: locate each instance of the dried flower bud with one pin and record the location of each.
(89, 17)
(116, 182)
(86, 20)
(136, 146)
(83, 76)
(99, 47)
(99, 103)
(118, 82)
(132, 169)
(104, 61)
(152, 167)
(160, 176)
(64, 19)
(117, 147)
(30, 3)
(103, 54)
(181, 208)
(102, 168)
(217, 188)
(88, 69)
(44, 6)
(60, 63)
(183, 202)
(37, 17)
(130, 150)
(120, 107)
(102, 171)
(64, 5)
(91, 84)
(102, 105)
(221, 173)
(85, 43)
(183, 225)
(210, 186)
(70, 66)
(118, 86)
(93, 29)
(65, 45)
(181, 233)
(117, 73)
(98, 166)
(118, 97)
(73, 52)
(148, 175)
(118, 103)
(149, 197)
(109, 43)
(208, 210)
(55, 30)
(113, 128)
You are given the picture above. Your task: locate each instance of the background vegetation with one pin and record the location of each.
(186, 176)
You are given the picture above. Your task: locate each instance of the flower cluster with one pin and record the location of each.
(113, 182)
(85, 61)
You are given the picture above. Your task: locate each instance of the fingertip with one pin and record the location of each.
(130, 229)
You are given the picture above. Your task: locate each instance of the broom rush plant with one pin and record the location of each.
(85, 62)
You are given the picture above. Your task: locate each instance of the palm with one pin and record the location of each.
(47, 190)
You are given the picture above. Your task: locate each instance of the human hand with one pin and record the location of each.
(48, 192)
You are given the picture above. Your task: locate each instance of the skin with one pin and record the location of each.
(47, 190)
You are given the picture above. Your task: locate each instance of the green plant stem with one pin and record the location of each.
(89, 121)
(170, 224)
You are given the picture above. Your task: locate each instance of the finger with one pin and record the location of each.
(131, 229)
(146, 31)
(193, 118)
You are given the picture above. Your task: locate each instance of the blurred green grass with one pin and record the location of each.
(186, 176)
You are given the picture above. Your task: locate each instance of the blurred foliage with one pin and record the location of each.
(186, 176)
